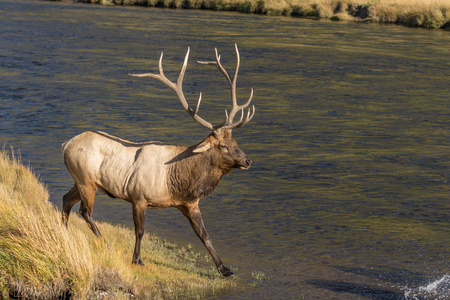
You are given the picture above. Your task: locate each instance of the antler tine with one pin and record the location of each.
(183, 69)
(229, 124)
(235, 107)
(243, 121)
(238, 63)
(178, 89)
(160, 68)
(198, 104)
(221, 68)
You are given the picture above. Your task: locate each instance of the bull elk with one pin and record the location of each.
(154, 175)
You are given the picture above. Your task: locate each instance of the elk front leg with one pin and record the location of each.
(139, 209)
(193, 214)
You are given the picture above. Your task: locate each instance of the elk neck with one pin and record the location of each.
(194, 175)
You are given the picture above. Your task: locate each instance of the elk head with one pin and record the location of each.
(220, 138)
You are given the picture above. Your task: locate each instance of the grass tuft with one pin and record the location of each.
(42, 259)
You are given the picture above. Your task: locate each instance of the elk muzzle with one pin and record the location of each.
(246, 164)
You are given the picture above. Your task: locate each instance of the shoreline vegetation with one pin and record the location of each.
(431, 14)
(42, 259)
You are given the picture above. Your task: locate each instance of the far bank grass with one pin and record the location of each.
(416, 13)
(41, 259)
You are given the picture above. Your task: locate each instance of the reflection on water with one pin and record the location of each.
(348, 197)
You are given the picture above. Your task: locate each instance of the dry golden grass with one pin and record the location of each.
(37, 255)
(42, 259)
(420, 13)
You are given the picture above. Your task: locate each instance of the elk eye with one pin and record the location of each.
(223, 148)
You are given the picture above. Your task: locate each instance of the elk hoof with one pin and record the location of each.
(137, 261)
(226, 272)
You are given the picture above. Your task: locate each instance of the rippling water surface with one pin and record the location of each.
(349, 194)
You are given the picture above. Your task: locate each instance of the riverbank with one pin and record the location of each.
(42, 259)
(432, 14)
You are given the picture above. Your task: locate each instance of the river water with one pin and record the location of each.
(348, 197)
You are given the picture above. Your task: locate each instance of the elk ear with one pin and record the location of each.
(203, 146)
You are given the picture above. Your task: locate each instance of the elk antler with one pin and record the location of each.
(178, 89)
(229, 124)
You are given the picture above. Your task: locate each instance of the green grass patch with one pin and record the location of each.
(42, 259)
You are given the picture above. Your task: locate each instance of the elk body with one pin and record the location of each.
(154, 175)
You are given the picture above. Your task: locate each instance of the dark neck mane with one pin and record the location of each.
(193, 176)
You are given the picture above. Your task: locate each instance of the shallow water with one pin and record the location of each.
(348, 197)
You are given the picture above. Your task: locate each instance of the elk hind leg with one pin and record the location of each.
(86, 208)
(69, 200)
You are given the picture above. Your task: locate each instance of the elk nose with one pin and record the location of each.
(245, 164)
(248, 161)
